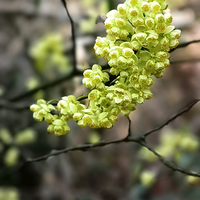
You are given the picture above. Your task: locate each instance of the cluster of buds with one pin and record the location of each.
(49, 51)
(139, 38)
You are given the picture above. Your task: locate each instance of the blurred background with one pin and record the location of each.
(36, 49)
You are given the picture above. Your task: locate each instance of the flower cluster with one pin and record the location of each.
(10, 145)
(49, 52)
(173, 144)
(139, 38)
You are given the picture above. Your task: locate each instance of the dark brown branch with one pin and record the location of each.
(11, 106)
(77, 73)
(184, 110)
(129, 128)
(185, 61)
(56, 82)
(18, 107)
(45, 86)
(168, 163)
(73, 35)
(84, 147)
(185, 44)
(140, 140)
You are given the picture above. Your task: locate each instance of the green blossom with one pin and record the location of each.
(42, 110)
(139, 39)
(95, 77)
(59, 126)
(68, 106)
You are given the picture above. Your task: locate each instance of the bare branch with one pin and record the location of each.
(56, 82)
(73, 35)
(103, 143)
(168, 163)
(84, 147)
(129, 128)
(184, 110)
(185, 61)
(45, 86)
(10, 106)
(185, 44)
(139, 139)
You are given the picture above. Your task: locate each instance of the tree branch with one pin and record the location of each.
(185, 61)
(45, 86)
(78, 73)
(184, 110)
(10, 106)
(73, 35)
(129, 128)
(56, 82)
(140, 140)
(185, 44)
(168, 163)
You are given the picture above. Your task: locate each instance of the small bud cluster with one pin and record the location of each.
(49, 51)
(139, 38)
(10, 145)
(173, 145)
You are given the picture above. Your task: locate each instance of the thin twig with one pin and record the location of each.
(140, 140)
(84, 147)
(73, 35)
(13, 106)
(184, 110)
(77, 73)
(185, 61)
(45, 86)
(73, 73)
(168, 163)
(185, 44)
(10, 106)
(129, 128)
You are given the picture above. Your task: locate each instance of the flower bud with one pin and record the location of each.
(145, 6)
(160, 18)
(149, 22)
(119, 22)
(176, 34)
(127, 52)
(155, 6)
(133, 12)
(141, 37)
(121, 9)
(133, 3)
(168, 18)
